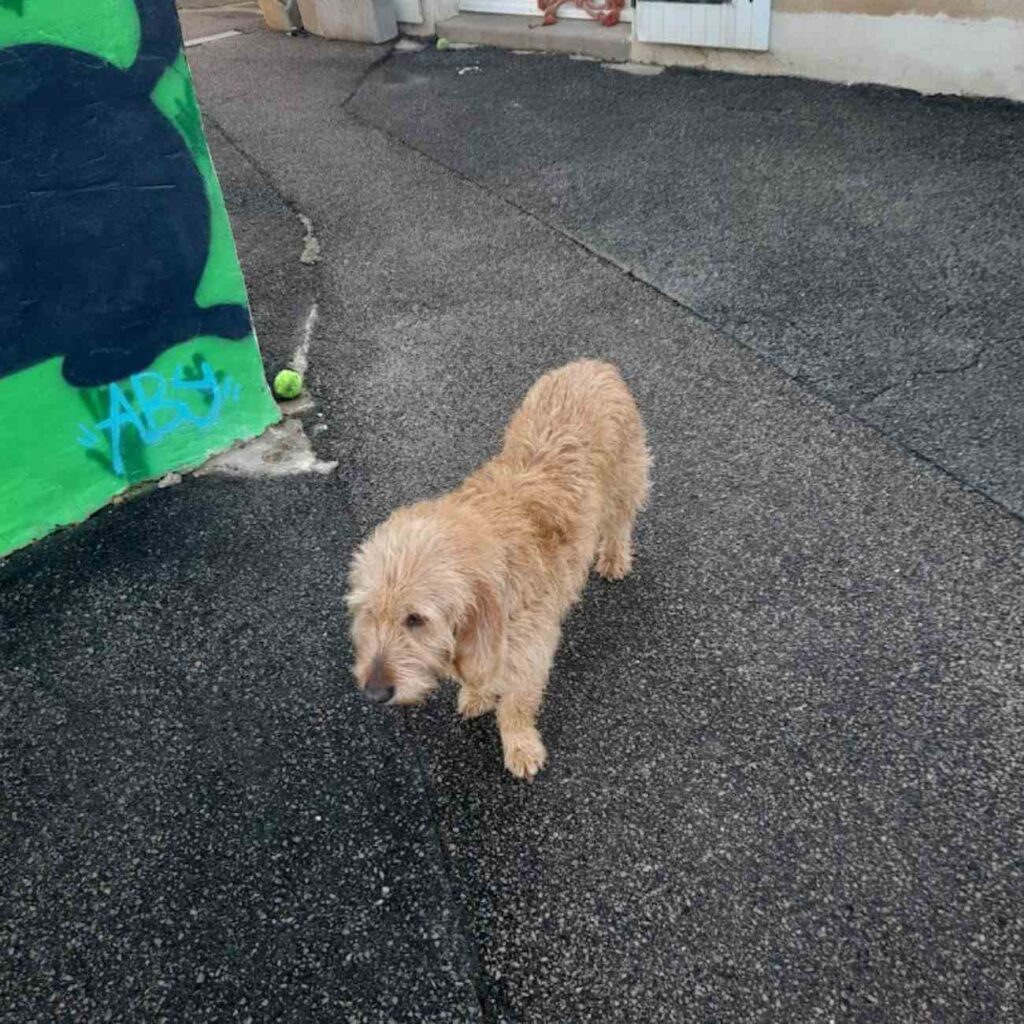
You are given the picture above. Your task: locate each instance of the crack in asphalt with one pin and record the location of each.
(943, 371)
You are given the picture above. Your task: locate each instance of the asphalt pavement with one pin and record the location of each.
(201, 821)
(786, 753)
(867, 241)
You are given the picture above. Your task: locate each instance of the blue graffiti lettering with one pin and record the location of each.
(155, 406)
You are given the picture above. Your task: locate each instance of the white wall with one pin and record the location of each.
(928, 53)
(981, 54)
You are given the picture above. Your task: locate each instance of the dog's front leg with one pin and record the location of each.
(474, 701)
(524, 749)
(526, 675)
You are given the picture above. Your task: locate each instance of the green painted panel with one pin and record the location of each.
(125, 344)
(107, 28)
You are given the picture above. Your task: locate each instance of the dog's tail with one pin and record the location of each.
(159, 41)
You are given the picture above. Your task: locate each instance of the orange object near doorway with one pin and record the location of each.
(606, 12)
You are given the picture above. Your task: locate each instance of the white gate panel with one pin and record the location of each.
(738, 25)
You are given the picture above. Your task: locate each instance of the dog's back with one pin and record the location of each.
(586, 406)
(575, 461)
(586, 402)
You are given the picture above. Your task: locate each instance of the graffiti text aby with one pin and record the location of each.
(151, 406)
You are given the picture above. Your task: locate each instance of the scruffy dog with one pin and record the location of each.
(474, 584)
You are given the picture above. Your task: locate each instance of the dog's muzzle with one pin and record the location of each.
(378, 687)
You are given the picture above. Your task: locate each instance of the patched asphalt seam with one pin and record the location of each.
(462, 912)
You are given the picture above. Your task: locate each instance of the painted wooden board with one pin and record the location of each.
(126, 344)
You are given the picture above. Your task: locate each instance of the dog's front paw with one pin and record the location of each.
(614, 562)
(524, 753)
(473, 703)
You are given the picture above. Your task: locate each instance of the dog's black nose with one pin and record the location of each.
(378, 687)
(379, 694)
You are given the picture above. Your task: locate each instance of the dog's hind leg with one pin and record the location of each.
(626, 494)
(615, 551)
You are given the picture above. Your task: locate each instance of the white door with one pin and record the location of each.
(734, 25)
(529, 7)
(409, 11)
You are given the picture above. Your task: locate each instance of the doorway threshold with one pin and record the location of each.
(514, 32)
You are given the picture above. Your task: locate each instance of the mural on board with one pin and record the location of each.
(126, 347)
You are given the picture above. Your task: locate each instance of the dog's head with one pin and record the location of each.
(422, 606)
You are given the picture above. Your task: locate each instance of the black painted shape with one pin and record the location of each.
(104, 221)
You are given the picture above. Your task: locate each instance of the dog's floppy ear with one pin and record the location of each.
(480, 639)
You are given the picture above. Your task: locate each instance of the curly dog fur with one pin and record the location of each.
(474, 585)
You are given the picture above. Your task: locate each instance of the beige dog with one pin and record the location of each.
(474, 585)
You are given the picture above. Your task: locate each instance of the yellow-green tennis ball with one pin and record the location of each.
(288, 384)
(442, 43)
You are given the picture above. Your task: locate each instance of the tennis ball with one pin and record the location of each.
(442, 43)
(288, 384)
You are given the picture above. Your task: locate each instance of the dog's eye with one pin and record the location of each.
(414, 621)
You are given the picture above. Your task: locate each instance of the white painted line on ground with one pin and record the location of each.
(310, 244)
(300, 358)
(212, 39)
